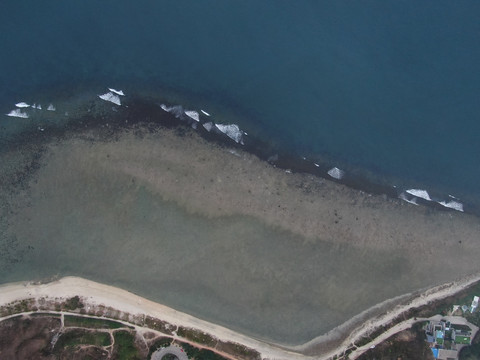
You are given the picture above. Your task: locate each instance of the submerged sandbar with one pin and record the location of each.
(214, 231)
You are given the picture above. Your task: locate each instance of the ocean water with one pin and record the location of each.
(383, 88)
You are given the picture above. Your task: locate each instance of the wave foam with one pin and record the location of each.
(208, 126)
(176, 110)
(419, 193)
(18, 113)
(193, 115)
(336, 173)
(452, 204)
(22, 105)
(412, 200)
(113, 98)
(232, 131)
(118, 92)
(51, 107)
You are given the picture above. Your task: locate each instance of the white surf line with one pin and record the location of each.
(336, 173)
(404, 197)
(18, 113)
(192, 115)
(22, 105)
(419, 193)
(118, 92)
(204, 112)
(111, 97)
(232, 131)
(452, 204)
(208, 126)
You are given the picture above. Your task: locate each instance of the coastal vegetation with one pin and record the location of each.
(76, 337)
(87, 322)
(111, 331)
(157, 324)
(90, 334)
(196, 336)
(17, 307)
(471, 352)
(125, 348)
(43, 337)
(200, 354)
(410, 343)
(442, 307)
(160, 342)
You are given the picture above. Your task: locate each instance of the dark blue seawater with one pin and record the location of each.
(389, 88)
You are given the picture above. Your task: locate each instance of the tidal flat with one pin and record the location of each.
(216, 232)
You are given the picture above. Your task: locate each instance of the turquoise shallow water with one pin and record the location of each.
(387, 88)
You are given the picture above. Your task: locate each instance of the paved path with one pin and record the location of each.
(175, 350)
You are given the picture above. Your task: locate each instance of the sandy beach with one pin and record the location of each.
(101, 294)
(93, 293)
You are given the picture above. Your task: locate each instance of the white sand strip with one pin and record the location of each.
(125, 301)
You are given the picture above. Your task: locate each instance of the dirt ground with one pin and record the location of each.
(407, 345)
(28, 338)
(43, 338)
